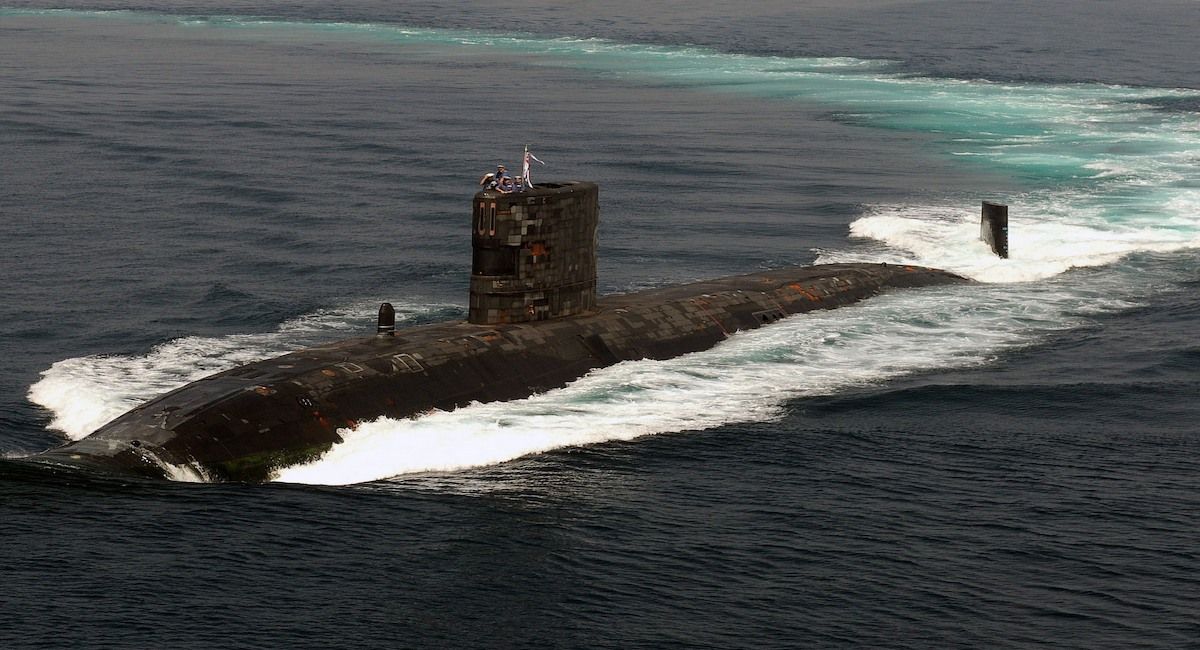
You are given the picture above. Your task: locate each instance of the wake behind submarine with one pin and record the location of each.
(534, 324)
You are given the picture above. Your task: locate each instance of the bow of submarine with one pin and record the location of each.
(235, 425)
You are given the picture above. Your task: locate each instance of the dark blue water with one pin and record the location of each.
(187, 187)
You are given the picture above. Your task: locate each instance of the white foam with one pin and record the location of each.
(749, 377)
(190, 473)
(84, 393)
(1110, 169)
(1043, 242)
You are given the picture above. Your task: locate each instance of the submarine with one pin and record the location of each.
(534, 324)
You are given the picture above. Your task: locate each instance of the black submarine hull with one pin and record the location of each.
(245, 423)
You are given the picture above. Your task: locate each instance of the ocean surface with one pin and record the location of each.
(187, 186)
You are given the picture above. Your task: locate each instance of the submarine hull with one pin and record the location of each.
(245, 423)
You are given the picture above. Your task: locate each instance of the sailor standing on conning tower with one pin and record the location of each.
(491, 180)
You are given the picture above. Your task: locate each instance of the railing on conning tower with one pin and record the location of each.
(534, 253)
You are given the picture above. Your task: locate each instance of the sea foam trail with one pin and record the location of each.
(748, 377)
(84, 393)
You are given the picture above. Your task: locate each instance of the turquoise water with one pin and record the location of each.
(1112, 153)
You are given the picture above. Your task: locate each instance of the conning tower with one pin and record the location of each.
(534, 253)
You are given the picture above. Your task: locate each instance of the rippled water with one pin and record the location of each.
(187, 188)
